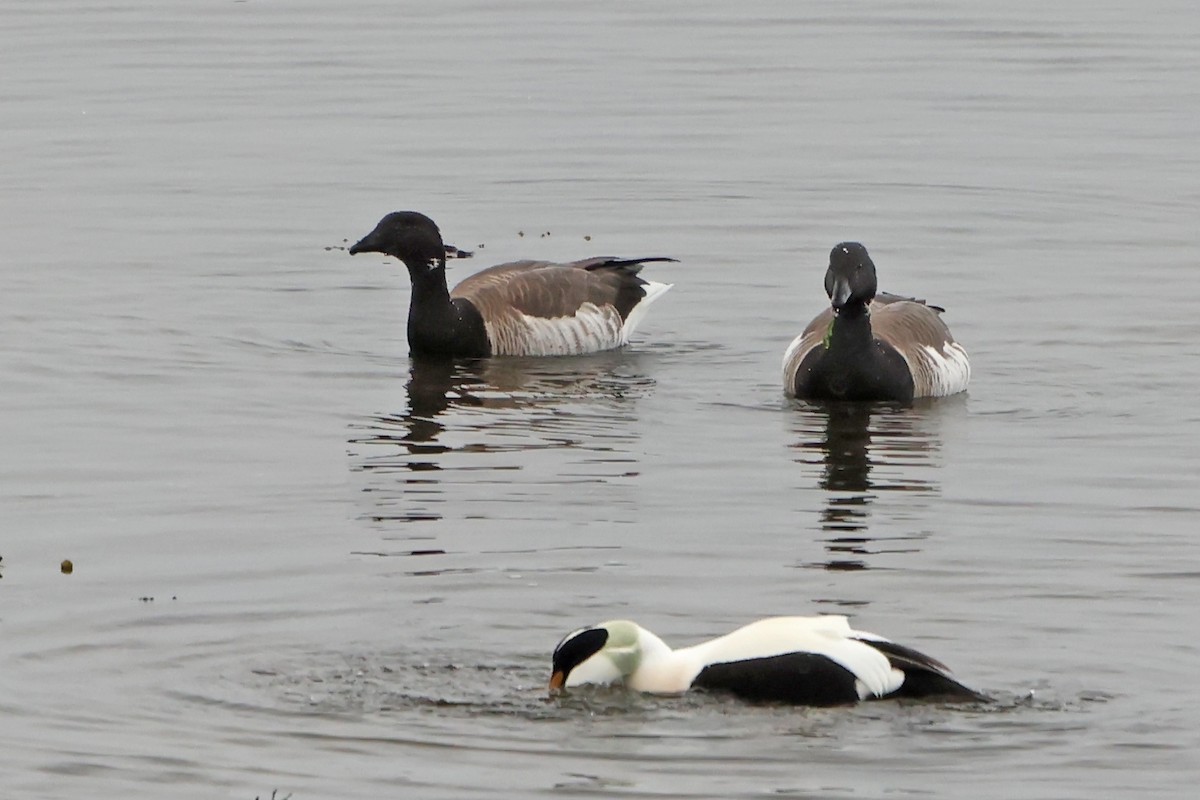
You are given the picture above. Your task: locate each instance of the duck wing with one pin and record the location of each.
(803, 660)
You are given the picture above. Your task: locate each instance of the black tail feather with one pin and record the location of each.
(924, 677)
(632, 264)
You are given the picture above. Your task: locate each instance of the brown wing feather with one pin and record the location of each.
(906, 324)
(539, 288)
(496, 277)
(544, 308)
(885, 298)
(911, 327)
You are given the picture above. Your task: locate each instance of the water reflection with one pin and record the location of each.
(493, 438)
(860, 452)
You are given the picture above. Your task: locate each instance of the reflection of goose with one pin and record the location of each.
(872, 346)
(846, 448)
(439, 385)
(531, 308)
(517, 385)
(532, 425)
(863, 450)
(818, 661)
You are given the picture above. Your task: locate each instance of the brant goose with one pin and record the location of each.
(872, 346)
(524, 308)
(812, 661)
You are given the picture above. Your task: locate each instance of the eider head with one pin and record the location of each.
(603, 654)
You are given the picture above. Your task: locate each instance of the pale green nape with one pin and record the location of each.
(829, 333)
(623, 646)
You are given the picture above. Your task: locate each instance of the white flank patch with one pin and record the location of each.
(591, 329)
(790, 369)
(638, 312)
(791, 351)
(949, 373)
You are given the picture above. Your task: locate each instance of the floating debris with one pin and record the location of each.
(273, 797)
(66, 566)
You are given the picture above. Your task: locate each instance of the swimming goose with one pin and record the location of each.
(524, 308)
(812, 661)
(872, 346)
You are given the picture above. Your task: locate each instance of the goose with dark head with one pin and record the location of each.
(870, 345)
(522, 308)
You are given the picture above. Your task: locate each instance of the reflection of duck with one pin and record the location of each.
(852, 441)
(817, 661)
(525, 308)
(872, 346)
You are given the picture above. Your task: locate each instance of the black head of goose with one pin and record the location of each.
(870, 345)
(523, 308)
(812, 661)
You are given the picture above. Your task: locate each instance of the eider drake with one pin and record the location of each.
(812, 661)
(872, 345)
(524, 308)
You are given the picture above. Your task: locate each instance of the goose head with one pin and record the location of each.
(409, 236)
(850, 280)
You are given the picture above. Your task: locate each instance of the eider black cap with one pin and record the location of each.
(573, 650)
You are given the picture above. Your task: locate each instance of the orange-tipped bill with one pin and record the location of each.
(557, 680)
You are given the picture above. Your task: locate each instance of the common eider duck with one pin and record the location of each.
(523, 308)
(811, 661)
(870, 345)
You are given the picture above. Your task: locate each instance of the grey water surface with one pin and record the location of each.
(304, 564)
